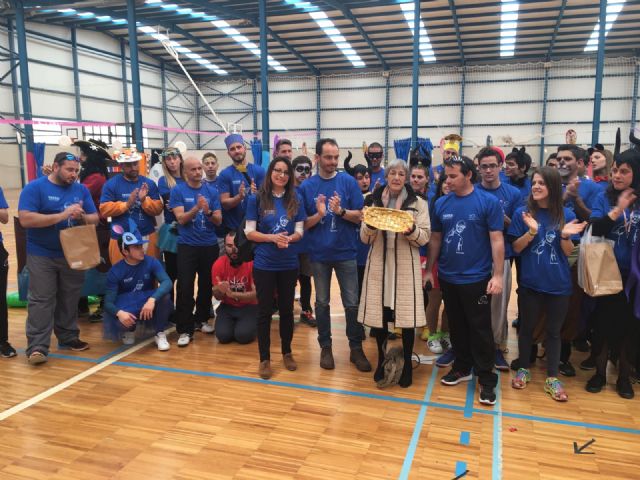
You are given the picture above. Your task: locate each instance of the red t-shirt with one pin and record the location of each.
(240, 279)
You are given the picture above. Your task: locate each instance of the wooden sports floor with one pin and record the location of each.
(202, 413)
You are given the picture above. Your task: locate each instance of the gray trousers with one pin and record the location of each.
(499, 304)
(54, 290)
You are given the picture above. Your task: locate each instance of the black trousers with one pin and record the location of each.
(468, 309)
(305, 292)
(267, 283)
(4, 314)
(192, 261)
(533, 304)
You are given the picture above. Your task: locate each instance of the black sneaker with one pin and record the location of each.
(306, 316)
(75, 345)
(596, 384)
(588, 364)
(515, 364)
(454, 378)
(487, 395)
(581, 345)
(567, 369)
(6, 350)
(624, 388)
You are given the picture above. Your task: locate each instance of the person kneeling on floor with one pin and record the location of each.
(236, 317)
(132, 303)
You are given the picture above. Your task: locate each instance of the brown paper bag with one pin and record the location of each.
(601, 273)
(80, 247)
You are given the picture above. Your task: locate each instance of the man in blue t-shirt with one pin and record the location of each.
(579, 193)
(373, 156)
(197, 208)
(237, 181)
(46, 206)
(467, 234)
(131, 196)
(333, 203)
(509, 197)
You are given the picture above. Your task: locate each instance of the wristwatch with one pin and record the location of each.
(209, 213)
(342, 212)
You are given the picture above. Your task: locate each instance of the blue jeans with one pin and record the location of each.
(347, 273)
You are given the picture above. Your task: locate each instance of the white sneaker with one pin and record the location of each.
(434, 345)
(128, 338)
(184, 339)
(207, 328)
(162, 342)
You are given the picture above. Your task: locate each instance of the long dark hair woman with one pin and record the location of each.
(616, 215)
(541, 233)
(275, 219)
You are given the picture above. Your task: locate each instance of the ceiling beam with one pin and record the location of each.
(555, 30)
(452, 6)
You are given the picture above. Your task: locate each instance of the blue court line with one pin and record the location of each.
(417, 429)
(118, 350)
(468, 404)
(465, 438)
(496, 472)
(461, 467)
(408, 401)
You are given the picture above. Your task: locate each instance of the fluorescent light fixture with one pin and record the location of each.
(150, 2)
(146, 29)
(426, 50)
(119, 21)
(614, 7)
(193, 56)
(181, 49)
(203, 61)
(67, 10)
(86, 14)
(508, 27)
(104, 18)
(169, 6)
(318, 15)
(184, 11)
(161, 37)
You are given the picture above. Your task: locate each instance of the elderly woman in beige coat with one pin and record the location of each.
(392, 285)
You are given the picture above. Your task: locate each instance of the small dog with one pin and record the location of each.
(393, 364)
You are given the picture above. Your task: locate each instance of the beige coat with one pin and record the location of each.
(397, 254)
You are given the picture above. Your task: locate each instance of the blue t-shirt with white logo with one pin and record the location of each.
(3, 204)
(200, 232)
(510, 199)
(43, 196)
(333, 239)
(544, 266)
(588, 191)
(134, 284)
(229, 182)
(465, 223)
(165, 193)
(624, 233)
(375, 176)
(118, 189)
(267, 255)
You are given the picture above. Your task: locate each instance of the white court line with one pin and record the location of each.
(67, 383)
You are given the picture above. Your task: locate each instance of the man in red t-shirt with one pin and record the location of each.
(236, 317)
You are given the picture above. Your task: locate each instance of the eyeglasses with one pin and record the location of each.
(306, 169)
(491, 166)
(278, 171)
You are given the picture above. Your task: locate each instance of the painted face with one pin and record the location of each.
(598, 160)
(237, 152)
(172, 163)
(280, 174)
(302, 171)
(364, 181)
(418, 180)
(456, 181)
(328, 160)
(489, 169)
(210, 167)
(621, 177)
(539, 190)
(567, 163)
(512, 170)
(67, 173)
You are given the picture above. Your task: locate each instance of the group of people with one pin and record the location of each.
(471, 220)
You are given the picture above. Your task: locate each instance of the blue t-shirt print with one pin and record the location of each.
(333, 239)
(43, 196)
(200, 231)
(267, 255)
(545, 267)
(118, 189)
(465, 223)
(510, 199)
(229, 181)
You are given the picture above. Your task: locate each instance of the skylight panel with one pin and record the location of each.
(426, 49)
(330, 30)
(614, 7)
(508, 27)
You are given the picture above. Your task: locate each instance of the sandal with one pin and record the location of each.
(555, 389)
(521, 379)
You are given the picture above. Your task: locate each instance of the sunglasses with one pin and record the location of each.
(306, 169)
(375, 155)
(170, 152)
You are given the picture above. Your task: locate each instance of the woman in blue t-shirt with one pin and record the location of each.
(616, 215)
(541, 233)
(275, 219)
